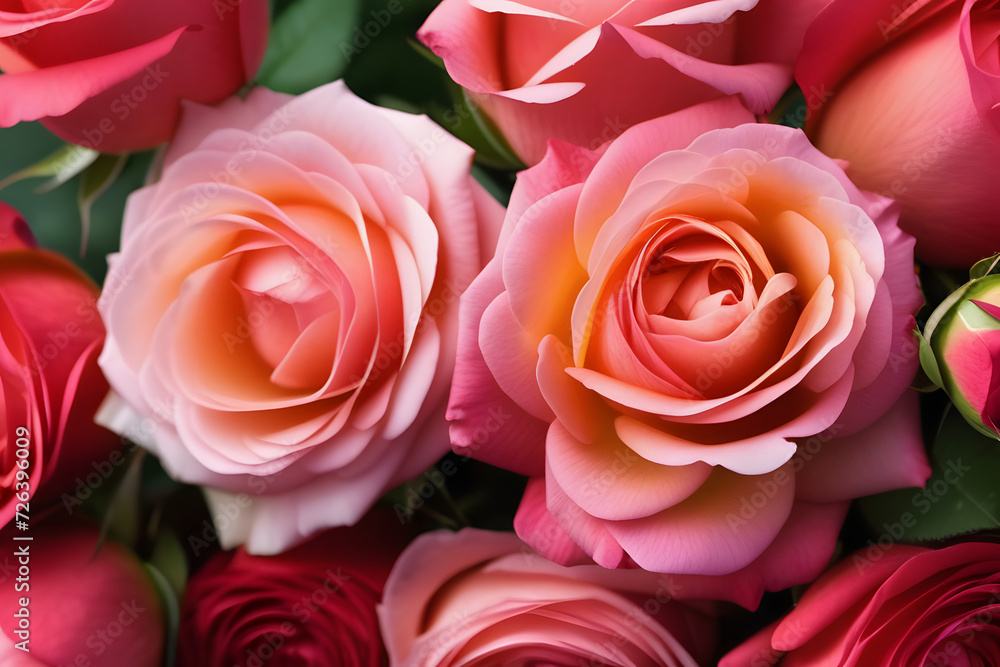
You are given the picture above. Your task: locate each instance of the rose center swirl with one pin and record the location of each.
(687, 303)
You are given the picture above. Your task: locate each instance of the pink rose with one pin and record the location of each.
(84, 601)
(902, 606)
(49, 379)
(312, 605)
(668, 321)
(283, 313)
(494, 601)
(909, 100)
(110, 74)
(584, 71)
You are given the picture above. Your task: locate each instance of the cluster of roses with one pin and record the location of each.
(691, 330)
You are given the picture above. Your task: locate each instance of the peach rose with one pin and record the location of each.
(696, 346)
(494, 601)
(905, 606)
(908, 95)
(584, 71)
(110, 74)
(282, 315)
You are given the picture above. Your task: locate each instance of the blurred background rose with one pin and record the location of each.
(89, 601)
(110, 74)
(906, 93)
(482, 598)
(51, 385)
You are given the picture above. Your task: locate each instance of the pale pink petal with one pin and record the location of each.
(889, 454)
(590, 533)
(200, 121)
(755, 455)
(610, 481)
(613, 175)
(759, 85)
(512, 356)
(485, 421)
(722, 528)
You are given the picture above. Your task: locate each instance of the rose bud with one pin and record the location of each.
(961, 351)
(70, 598)
(110, 74)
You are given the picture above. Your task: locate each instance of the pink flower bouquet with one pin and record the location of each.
(475, 333)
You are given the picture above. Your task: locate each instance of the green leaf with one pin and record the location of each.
(465, 120)
(985, 267)
(171, 612)
(791, 109)
(928, 361)
(98, 177)
(961, 496)
(310, 44)
(168, 557)
(121, 518)
(62, 165)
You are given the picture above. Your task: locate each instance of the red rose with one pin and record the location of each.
(50, 337)
(314, 604)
